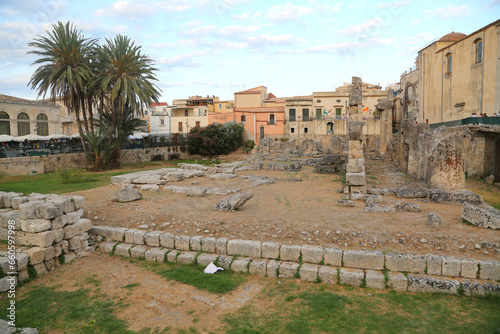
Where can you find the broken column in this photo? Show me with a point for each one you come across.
(356, 100)
(385, 107)
(355, 169)
(446, 164)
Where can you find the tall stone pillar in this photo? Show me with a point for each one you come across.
(356, 100)
(355, 168)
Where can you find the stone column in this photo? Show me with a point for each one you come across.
(355, 168)
(356, 100)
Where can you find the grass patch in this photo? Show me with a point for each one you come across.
(327, 309)
(130, 286)
(79, 311)
(220, 283)
(73, 175)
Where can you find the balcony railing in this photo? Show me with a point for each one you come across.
(469, 121)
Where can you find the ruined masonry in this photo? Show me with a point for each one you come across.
(355, 168)
(49, 231)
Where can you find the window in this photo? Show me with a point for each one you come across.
(329, 128)
(292, 130)
(198, 124)
(305, 114)
(162, 121)
(4, 123)
(164, 109)
(146, 112)
(186, 113)
(243, 118)
(292, 116)
(23, 124)
(478, 45)
(220, 106)
(306, 130)
(448, 63)
(318, 113)
(180, 126)
(338, 111)
(272, 119)
(42, 125)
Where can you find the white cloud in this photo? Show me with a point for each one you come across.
(396, 4)
(493, 3)
(143, 8)
(351, 47)
(421, 38)
(263, 40)
(415, 22)
(287, 12)
(247, 15)
(199, 31)
(235, 30)
(362, 28)
(450, 11)
(181, 60)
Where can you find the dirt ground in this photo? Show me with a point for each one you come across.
(304, 212)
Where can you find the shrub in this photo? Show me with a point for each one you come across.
(71, 175)
(215, 139)
(248, 145)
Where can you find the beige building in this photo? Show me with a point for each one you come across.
(184, 118)
(454, 77)
(20, 117)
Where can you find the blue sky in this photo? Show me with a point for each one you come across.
(210, 47)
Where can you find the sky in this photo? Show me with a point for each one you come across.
(218, 47)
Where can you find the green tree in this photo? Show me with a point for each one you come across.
(124, 79)
(65, 70)
(215, 139)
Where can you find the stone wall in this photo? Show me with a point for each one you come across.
(373, 269)
(49, 163)
(42, 233)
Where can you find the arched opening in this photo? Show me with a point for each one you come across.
(4, 123)
(329, 127)
(42, 125)
(478, 50)
(448, 63)
(23, 124)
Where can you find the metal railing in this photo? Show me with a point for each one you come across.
(469, 121)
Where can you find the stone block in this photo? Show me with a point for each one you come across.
(352, 277)
(312, 254)
(272, 268)
(333, 257)
(410, 263)
(244, 248)
(107, 247)
(152, 239)
(129, 235)
(151, 255)
(59, 234)
(208, 245)
(364, 259)
(221, 246)
(288, 269)
(5, 266)
(8, 283)
(308, 272)
(205, 259)
(353, 168)
(454, 197)
(408, 206)
(74, 216)
(290, 253)
(355, 149)
(27, 211)
(75, 243)
(328, 275)
(433, 220)
(12, 217)
(36, 255)
(167, 240)
(182, 242)
(469, 268)
(81, 226)
(123, 250)
(411, 193)
(240, 265)
(379, 208)
(233, 202)
(375, 279)
(139, 237)
(60, 221)
(224, 261)
(137, 252)
(126, 195)
(35, 225)
(78, 201)
(110, 233)
(15, 202)
(373, 199)
(23, 275)
(258, 268)
(482, 217)
(195, 243)
(48, 210)
(480, 288)
(40, 269)
(68, 257)
(450, 266)
(434, 265)
(42, 239)
(432, 284)
(346, 203)
(355, 179)
(172, 256)
(397, 281)
(490, 270)
(270, 250)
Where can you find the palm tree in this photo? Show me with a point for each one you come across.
(124, 79)
(65, 70)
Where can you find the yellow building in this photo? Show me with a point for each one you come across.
(187, 117)
(454, 77)
(20, 117)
